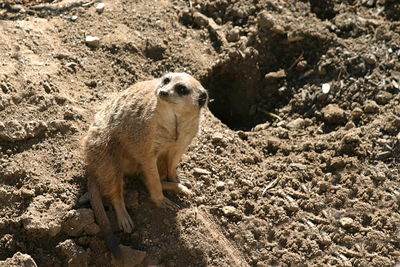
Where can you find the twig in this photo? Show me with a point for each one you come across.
(271, 115)
(270, 185)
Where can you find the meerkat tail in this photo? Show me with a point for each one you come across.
(102, 219)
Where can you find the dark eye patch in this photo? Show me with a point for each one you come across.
(166, 80)
(181, 89)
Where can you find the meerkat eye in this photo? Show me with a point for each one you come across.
(166, 81)
(181, 89)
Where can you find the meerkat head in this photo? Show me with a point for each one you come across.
(181, 89)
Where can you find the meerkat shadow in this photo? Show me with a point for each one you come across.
(159, 231)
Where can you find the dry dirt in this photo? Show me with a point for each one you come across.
(297, 162)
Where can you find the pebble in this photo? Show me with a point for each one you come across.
(356, 114)
(296, 124)
(350, 125)
(346, 222)
(200, 19)
(200, 171)
(333, 114)
(92, 41)
(265, 20)
(75, 254)
(383, 97)
(79, 219)
(370, 106)
(233, 35)
(74, 17)
(229, 210)
(326, 87)
(100, 7)
(220, 185)
(370, 59)
(19, 259)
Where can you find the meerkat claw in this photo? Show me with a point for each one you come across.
(126, 224)
(168, 204)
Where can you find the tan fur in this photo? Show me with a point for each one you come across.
(142, 131)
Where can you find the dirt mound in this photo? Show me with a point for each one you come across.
(297, 162)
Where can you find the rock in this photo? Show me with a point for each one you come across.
(265, 20)
(220, 185)
(346, 222)
(275, 75)
(40, 218)
(76, 256)
(350, 125)
(370, 106)
(356, 114)
(333, 114)
(296, 124)
(131, 257)
(92, 41)
(326, 87)
(370, 59)
(200, 19)
(100, 7)
(34, 128)
(74, 17)
(19, 260)
(77, 221)
(233, 35)
(12, 131)
(383, 97)
(229, 211)
(200, 171)
(217, 138)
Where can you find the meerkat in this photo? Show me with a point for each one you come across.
(144, 130)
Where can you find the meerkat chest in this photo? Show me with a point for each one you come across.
(174, 129)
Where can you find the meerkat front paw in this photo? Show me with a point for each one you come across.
(165, 203)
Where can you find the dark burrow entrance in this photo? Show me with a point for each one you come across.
(239, 94)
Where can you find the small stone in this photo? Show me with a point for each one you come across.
(229, 210)
(326, 87)
(100, 7)
(356, 114)
(296, 124)
(220, 185)
(346, 222)
(78, 221)
(92, 41)
(383, 97)
(19, 260)
(275, 75)
(131, 257)
(333, 114)
(265, 20)
(370, 59)
(200, 171)
(200, 19)
(74, 17)
(350, 125)
(74, 254)
(370, 106)
(233, 35)
(217, 138)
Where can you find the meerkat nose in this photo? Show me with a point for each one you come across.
(163, 93)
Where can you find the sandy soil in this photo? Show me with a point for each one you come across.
(297, 162)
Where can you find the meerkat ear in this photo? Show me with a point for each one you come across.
(202, 99)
